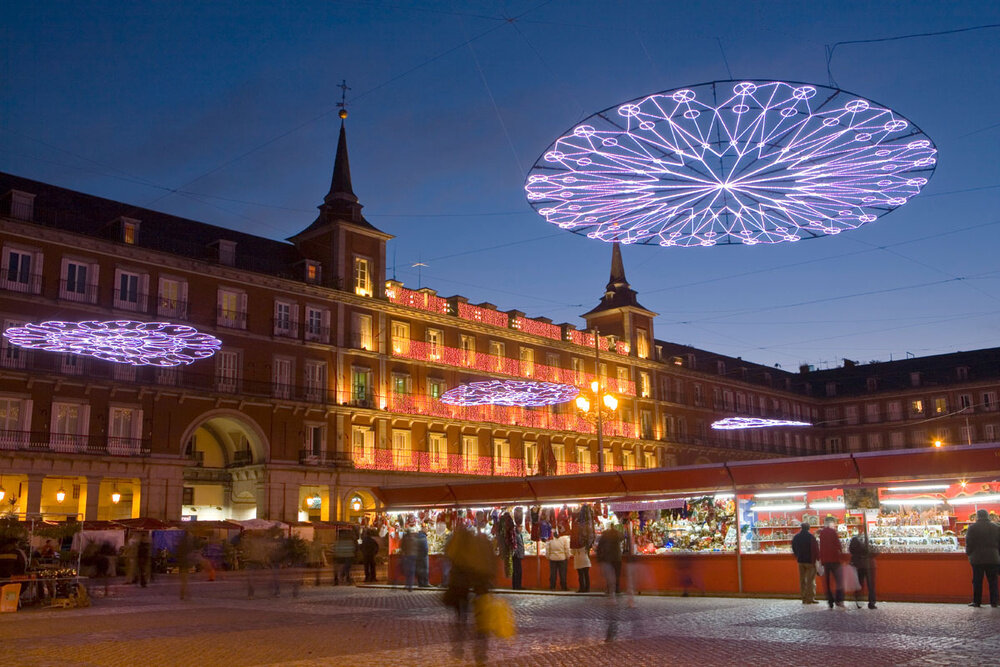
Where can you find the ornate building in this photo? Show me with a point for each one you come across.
(329, 376)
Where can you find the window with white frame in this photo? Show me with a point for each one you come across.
(897, 440)
(315, 380)
(872, 413)
(874, 441)
(21, 270)
(435, 343)
(69, 427)
(501, 454)
(645, 386)
(282, 372)
(649, 460)
(313, 272)
(435, 387)
(497, 352)
(361, 386)
(559, 454)
(526, 356)
(646, 425)
(940, 405)
(583, 458)
(402, 454)
(124, 429)
(851, 414)
(15, 420)
(362, 276)
(642, 343)
(470, 453)
(171, 300)
(315, 439)
(437, 449)
(71, 364)
(552, 361)
(227, 370)
(361, 331)
(286, 316)
(317, 324)
(968, 434)
(628, 459)
(401, 383)
(576, 366)
(916, 407)
(854, 443)
(232, 308)
(530, 457)
(400, 332)
(989, 400)
(895, 409)
(989, 432)
(12, 356)
(131, 290)
(78, 281)
(363, 445)
(965, 401)
(699, 395)
(623, 377)
(468, 344)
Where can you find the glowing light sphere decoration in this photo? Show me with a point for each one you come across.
(121, 341)
(523, 393)
(731, 162)
(736, 423)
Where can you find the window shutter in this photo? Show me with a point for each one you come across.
(325, 334)
(275, 318)
(26, 414)
(84, 420)
(137, 424)
(183, 297)
(243, 310)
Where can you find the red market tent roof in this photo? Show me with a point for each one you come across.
(839, 470)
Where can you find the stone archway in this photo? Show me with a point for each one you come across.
(354, 511)
(226, 451)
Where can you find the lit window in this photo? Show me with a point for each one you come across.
(400, 338)
(362, 277)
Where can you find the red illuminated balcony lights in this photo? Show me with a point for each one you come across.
(536, 328)
(414, 299)
(484, 315)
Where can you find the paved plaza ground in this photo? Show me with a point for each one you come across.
(382, 627)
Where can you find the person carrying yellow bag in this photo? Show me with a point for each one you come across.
(494, 616)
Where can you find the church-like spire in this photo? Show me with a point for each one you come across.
(617, 279)
(618, 293)
(340, 185)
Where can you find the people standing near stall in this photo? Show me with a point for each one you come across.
(609, 555)
(408, 549)
(830, 553)
(581, 557)
(369, 549)
(516, 558)
(806, 550)
(345, 551)
(863, 559)
(143, 559)
(423, 560)
(557, 551)
(982, 545)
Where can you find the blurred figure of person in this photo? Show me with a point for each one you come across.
(473, 567)
(423, 566)
(47, 554)
(982, 545)
(581, 557)
(806, 550)
(369, 549)
(104, 563)
(143, 559)
(408, 550)
(516, 559)
(185, 558)
(13, 560)
(609, 555)
(830, 553)
(557, 551)
(344, 551)
(863, 559)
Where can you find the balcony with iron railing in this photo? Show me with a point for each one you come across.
(74, 290)
(230, 319)
(130, 300)
(66, 443)
(30, 283)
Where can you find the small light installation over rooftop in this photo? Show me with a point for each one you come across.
(736, 423)
(523, 393)
(731, 162)
(121, 341)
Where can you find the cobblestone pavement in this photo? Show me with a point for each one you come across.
(378, 627)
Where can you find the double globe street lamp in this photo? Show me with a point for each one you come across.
(597, 405)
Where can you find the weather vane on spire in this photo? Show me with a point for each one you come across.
(343, 99)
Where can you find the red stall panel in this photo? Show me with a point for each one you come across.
(837, 470)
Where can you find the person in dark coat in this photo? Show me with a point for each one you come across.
(143, 559)
(369, 549)
(830, 553)
(982, 544)
(345, 550)
(423, 560)
(408, 550)
(806, 550)
(863, 559)
(609, 555)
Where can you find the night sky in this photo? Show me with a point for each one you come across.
(225, 112)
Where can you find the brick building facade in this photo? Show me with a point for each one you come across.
(328, 379)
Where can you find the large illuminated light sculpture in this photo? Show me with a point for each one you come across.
(523, 393)
(736, 423)
(121, 341)
(731, 162)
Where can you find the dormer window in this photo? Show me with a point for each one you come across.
(962, 373)
(129, 230)
(313, 273)
(226, 252)
(22, 205)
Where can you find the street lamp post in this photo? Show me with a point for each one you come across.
(597, 404)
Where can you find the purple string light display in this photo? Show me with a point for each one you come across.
(121, 341)
(523, 393)
(736, 423)
(731, 162)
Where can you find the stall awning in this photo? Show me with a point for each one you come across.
(412, 497)
(835, 470)
(577, 487)
(968, 462)
(667, 481)
(497, 491)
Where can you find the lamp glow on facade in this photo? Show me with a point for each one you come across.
(522, 393)
(731, 162)
(116, 497)
(356, 503)
(60, 495)
(120, 341)
(736, 423)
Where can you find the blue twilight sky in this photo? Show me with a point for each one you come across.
(225, 112)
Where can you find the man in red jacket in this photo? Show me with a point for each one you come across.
(830, 552)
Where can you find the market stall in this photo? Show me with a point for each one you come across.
(727, 529)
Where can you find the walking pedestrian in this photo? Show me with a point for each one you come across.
(557, 551)
(344, 551)
(982, 544)
(423, 560)
(863, 559)
(408, 549)
(369, 549)
(806, 550)
(143, 559)
(609, 555)
(830, 553)
(473, 567)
